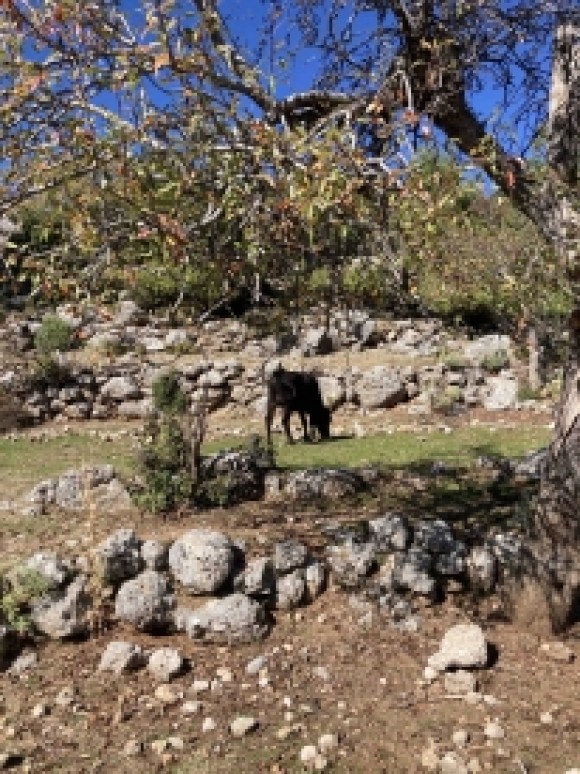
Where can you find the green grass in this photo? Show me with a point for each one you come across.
(25, 462)
(461, 447)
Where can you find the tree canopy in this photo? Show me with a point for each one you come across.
(165, 127)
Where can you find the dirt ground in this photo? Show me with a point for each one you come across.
(330, 671)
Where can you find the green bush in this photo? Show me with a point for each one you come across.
(53, 335)
(164, 463)
(168, 397)
(525, 392)
(447, 401)
(18, 592)
(496, 362)
(159, 286)
(455, 362)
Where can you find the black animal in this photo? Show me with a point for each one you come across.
(296, 391)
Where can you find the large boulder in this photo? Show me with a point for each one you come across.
(500, 393)
(64, 612)
(235, 618)
(120, 388)
(119, 557)
(487, 346)
(146, 602)
(325, 482)
(202, 560)
(77, 489)
(381, 388)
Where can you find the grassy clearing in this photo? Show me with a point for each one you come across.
(24, 462)
(405, 449)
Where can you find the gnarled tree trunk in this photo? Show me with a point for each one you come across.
(551, 587)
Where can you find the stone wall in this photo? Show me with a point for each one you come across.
(461, 373)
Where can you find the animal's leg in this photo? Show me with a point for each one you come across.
(269, 420)
(304, 425)
(286, 424)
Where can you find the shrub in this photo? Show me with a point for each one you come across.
(525, 392)
(18, 592)
(165, 465)
(447, 401)
(455, 362)
(494, 363)
(53, 335)
(168, 397)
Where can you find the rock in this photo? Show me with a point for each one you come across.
(332, 390)
(208, 725)
(411, 572)
(168, 694)
(76, 489)
(64, 612)
(487, 346)
(146, 602)
(258, 579)
(256, 665)
(531, 466)
(327, 743)
(133, 747)
(460, 682)
(381, 388)
(235, 618)
(128, 313)
(242, 726)
(351, 564)
(316, 341)
(500, 393)
(308, 755)
(290, 590)
(315, 581)
(202, 560)
(191, 707)
(289, 555)
(451, 763)
(24, 663)
(120, 388)
(48, 565)
(557, 651)
(390, 532)
(460, 737)
(493, 730)
(122, 657)
(435, 537)
(482, 569)
(154, 555)
(165, 663)
(119, 557)
(430, 758)
(463, 646)
(135, 409)
(329, 483)
(200, 686)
